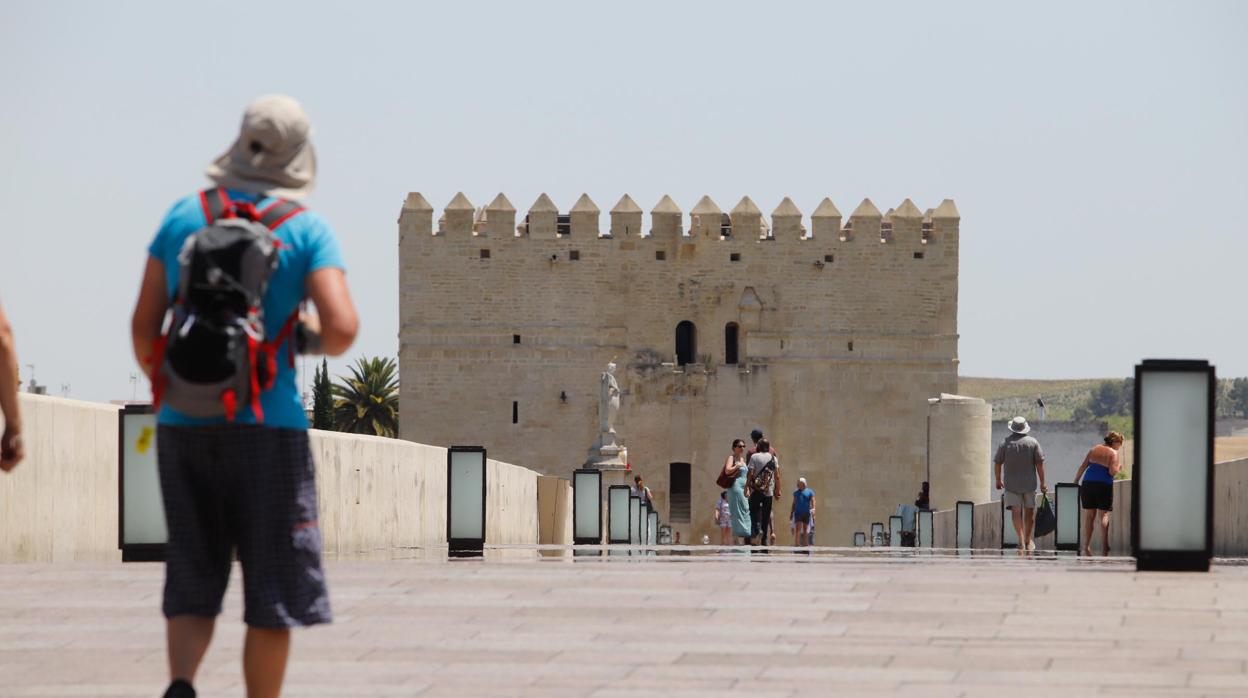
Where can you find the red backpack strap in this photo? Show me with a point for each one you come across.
(215, 203)
(278, 212)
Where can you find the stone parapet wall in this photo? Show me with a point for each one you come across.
(375, 494)
(61, 503)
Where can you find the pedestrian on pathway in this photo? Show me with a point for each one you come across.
(764, 490)
(802, 510)
(11, 449)
(737, 468)
(236, 471)
(1023, 461)
(1096, 491)
(640, 491)
(723, 519)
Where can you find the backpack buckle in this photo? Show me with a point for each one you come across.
(246, 209)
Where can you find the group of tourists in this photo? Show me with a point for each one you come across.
(1019, 467)
(745, 510)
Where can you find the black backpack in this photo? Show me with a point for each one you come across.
(764, 476)
(213, 354)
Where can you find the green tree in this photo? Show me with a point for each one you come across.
(322, 399)
(1112, 397)
(367, 402)
(1238, 397)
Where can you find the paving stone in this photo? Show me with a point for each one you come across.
(923, 626)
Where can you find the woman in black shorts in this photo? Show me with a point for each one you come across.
(1096, 491)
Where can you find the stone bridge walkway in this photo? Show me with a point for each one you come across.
(701, 625)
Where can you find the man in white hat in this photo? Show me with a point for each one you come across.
(1021, 458)
(243, 480)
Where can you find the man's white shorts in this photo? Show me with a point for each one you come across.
(1026, 500)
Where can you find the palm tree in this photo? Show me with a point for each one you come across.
(367, 402)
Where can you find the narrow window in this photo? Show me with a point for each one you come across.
(730, 343)
(829, 258)
(734, 257)
(660, 255)
(574, 255)
(851, 345)
(686, 343)
(678, 492)
(515, 412)
(485, 254)
(515, 339)
(918, 255)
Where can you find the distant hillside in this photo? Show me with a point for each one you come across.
(1010, 397)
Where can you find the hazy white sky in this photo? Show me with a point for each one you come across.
(1098, 152)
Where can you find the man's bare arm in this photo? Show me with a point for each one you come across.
(335, 312)
(11, 450)
(149, 313)
(1040, 472)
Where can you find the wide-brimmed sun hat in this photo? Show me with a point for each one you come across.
(1019, 425)
(273, 152)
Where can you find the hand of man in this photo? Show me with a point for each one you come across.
(1043, 488)
(1000, 485)
(11, 450)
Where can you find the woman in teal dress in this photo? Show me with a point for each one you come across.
(738, 505)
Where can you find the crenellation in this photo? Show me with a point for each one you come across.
(583, 218)
(826, 221)
(746, 220)
(866, 221)
(705, 220)
(542, 220)
(626, 218)
(665, 220)
(907, 222)
(416, 217)
(786, 221)
(457, 217)
(500, 219)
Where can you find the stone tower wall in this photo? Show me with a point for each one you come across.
(843, 337)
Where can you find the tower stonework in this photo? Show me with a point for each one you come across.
(842, 336)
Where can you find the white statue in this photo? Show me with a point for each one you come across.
(608, 401)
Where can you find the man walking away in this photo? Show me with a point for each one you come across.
(764, 483)
(1022, 460)
(232, 266)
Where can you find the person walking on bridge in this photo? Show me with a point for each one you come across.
(1096, 491)
(1023, 461)
(228, 273)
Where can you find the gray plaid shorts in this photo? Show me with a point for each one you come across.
(246, 488)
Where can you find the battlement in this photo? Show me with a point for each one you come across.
(905, 223)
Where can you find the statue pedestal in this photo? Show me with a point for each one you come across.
(607, 454)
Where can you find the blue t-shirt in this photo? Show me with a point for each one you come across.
(801, 501)
(308, 244)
